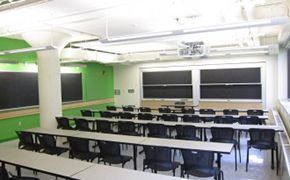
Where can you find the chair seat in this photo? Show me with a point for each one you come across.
(116, 159)
(262, 145)
(88, 156)
(203, 172)
(233, 141)
(55, 150)
(163, 166)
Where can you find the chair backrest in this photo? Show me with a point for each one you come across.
(62, 123)
(145, 109)
(222, 133)
(255, 112)
(206, 111)
(197, 159)
(87, 113)
(186, 132)
(231, 112)
(191, 118)
(82, 124)
(25, 138)
(128, 108)
(111, 108)
(164, 110)
(126, 115)
(254, 120)
(145, 116)
(157, 130)
(109, 148)
(187, 111)
(3, 174)
(104, 126)
(78, 145)
(157, 154)
(224, 120)
(106, 114)
(125, 127)
(262, 135)
(169, 117)
(47, 140)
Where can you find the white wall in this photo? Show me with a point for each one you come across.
(128, 76)
(282, 74)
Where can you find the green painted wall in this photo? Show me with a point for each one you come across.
(97, 84)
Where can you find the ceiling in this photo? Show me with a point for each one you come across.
(105, 19)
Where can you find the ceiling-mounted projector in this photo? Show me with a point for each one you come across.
(191, 49)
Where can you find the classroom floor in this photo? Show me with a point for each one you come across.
(259, 167)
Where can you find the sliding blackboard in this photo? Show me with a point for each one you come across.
(240, 83)
(239, 75)
(169, 92)
(167, 84)
(231, 92)
(20, 89)
(167, 77)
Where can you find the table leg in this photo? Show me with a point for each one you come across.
(219, 164)
(135, 156)
(18, 171)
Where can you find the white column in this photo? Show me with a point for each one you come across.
(282, 74)
(49, 85)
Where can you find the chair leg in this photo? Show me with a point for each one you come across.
(239, 148)
(247, 161)
(277, 161)
(272, 158)
(173, 172)
(236, 167)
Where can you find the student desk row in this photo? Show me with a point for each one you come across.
(264, 117)
(218, 148)
(70, 168)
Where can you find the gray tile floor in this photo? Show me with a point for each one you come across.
(259, 167)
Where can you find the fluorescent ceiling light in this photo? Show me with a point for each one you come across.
(136, 37)
(221, 27)
(240, 25)
(25, 50)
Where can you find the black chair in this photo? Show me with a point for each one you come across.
(145, 109)
(226, 135)
(63, 123)
(48, 145)
(224, 120)
(157, 130)
(171, 118)
(200, 164)
(209, 112)
(127, 128)
(187, 111)
(111, 108)
(104, 126)
(27, 142)
(106, 114)
(79, 149)
(231, 112)
(110, 152)
(255, 112)
(164, 110)
(191, 118)
(263, 139)
(126, 115)
(5, 176)
(254, 120)
(159, 159)
(128, 108)
(82, 125)
(186, 133)
(87, 113)
(145, 116)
